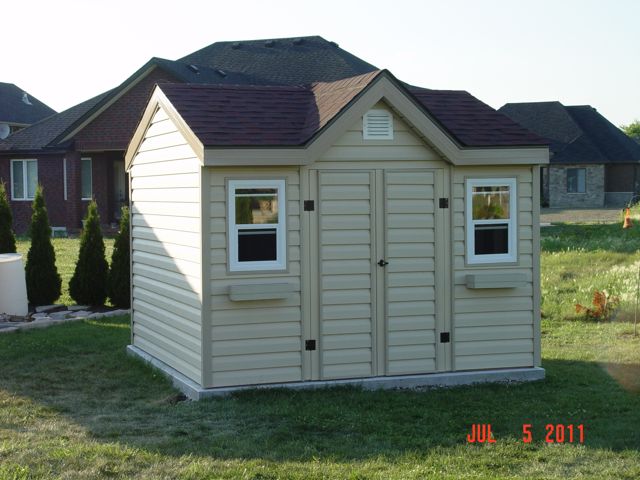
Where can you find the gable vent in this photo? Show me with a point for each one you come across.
(377, 125)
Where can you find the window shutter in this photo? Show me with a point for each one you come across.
(377, 125)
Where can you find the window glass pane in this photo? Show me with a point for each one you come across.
(32, 178)
(572, 180)
(576, 180)
(491, 239)
(85, 178)
(490, 203)
(582, 173)
(256, 206)
(257, 245)
(18, 180)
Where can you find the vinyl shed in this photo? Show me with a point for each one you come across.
(353, 231)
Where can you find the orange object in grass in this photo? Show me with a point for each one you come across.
(627, 219)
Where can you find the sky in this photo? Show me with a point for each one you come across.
(575, 51)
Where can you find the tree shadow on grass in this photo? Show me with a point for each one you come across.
(81, 371)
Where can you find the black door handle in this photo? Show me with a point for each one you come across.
(383, 262)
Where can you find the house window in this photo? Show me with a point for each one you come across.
(576, 180)
(24, 179)
(86, 187)
(491, 220)
(257, 225)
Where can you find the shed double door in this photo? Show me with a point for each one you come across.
(378, 281)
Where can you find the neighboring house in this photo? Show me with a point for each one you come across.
(78, 154)
(18, 109)
(592, 162)
(351, 230)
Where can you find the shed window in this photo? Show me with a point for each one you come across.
(24, 179)
(257, 225)
(576, 180)
(491, 220)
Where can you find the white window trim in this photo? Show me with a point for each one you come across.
(25, 180)
(365, 129)
(281, 227)
(512, 255)
(90, 197)
(64, 176)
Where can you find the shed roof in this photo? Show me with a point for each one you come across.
(576, 134)
(17, 106)
(250, 115)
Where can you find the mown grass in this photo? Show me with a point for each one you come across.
(66, 257)
(74, 406)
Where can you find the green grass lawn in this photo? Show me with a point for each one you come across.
(74, 406)
(66, 256)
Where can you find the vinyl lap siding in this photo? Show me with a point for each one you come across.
(165, 219)
(346, 266)
(254, 342)
(410, 275)
(493, 328)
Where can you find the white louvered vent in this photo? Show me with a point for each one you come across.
(377, 125)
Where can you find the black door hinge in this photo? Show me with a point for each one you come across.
(444, 203)
(445, 337)
(309, 206)
(309, 345)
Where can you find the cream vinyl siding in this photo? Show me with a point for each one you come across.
(166, 273)
(405, 149)
(347, 273)
(377, 201)
(254, 341)
(410, 279)
(494, 328)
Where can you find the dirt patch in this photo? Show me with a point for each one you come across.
(586, 215)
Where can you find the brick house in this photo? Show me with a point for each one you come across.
(79, 153)
(592, 162)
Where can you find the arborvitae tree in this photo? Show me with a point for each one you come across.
(7, 238)
(43, 281)
(88, 286)
(119, 279)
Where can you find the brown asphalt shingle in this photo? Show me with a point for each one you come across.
(250, 115)
(471, 122)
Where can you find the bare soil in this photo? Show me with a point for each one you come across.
(580, 215)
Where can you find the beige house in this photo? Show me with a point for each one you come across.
(355, 231)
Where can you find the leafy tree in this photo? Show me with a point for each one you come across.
(88, 286)
(632, 130)
(119, 279)
(43, 280)
(7, 238)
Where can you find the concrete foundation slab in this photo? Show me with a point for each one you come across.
(450, 379)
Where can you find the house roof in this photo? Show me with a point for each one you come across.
(256, 62)
(278, 92)
(17, 106)
(577, 134)
(286, 61)
(41, 134)
(250, 115)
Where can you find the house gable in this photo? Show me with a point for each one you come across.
(112, 125)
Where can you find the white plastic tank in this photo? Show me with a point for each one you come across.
(13, 286)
